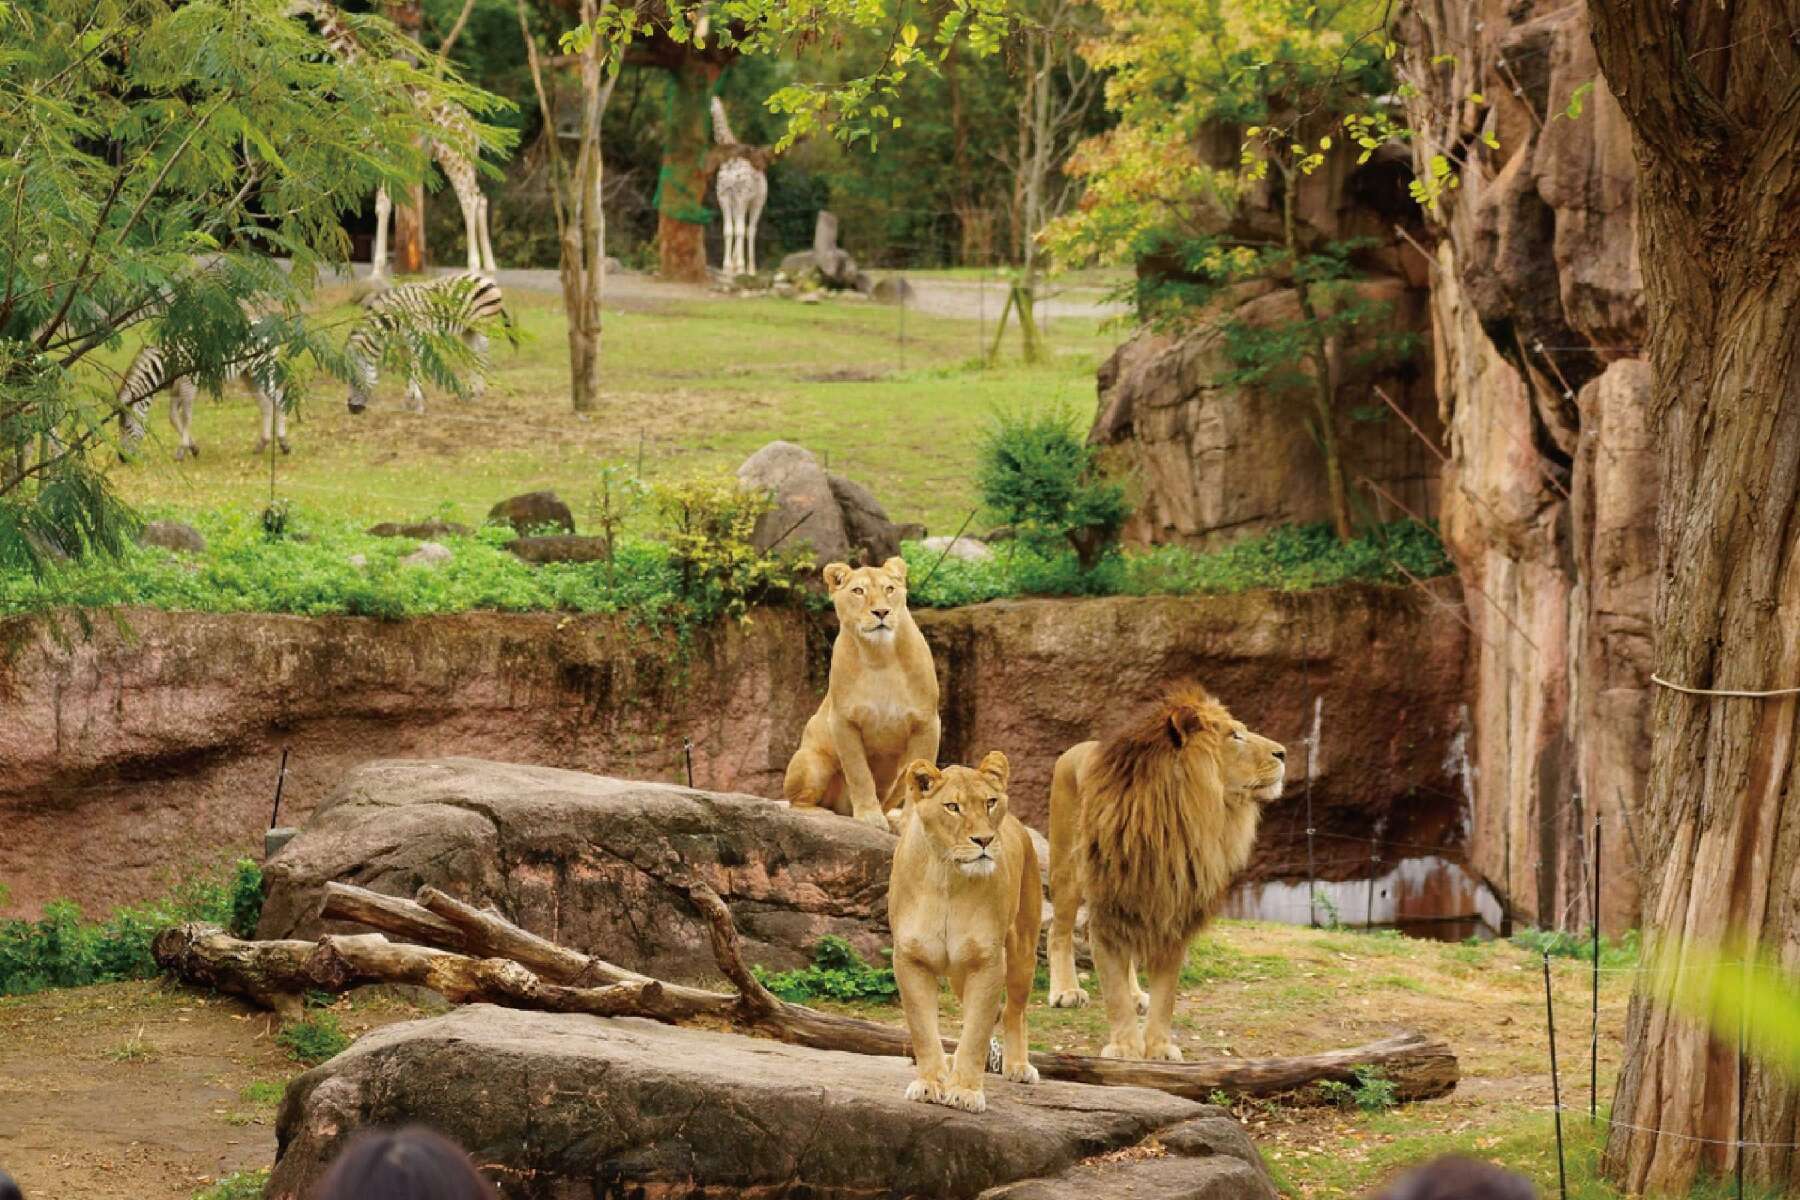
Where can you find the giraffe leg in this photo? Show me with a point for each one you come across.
(470, 200)
(477, 342)
(181, 415)
(755, 215)
(488, 265)
(378, 257)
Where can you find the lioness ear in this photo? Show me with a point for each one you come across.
(921, 777)
(895, 566)
(996, 768)
(835, 574)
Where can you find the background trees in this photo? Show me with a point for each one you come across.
(153, 158)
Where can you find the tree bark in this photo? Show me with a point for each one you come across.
(681, 213)
(1710, 92)
(409, 203)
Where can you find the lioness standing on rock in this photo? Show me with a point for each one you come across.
(881, 703)
(963, 902)
(1149, 829)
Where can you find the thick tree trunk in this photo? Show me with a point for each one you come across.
(409, 203)
(681, 213)
(1710, 92)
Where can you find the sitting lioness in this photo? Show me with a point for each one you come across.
(1149, 829)
(963, 902)
(881, 703)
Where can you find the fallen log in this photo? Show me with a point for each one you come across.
(270, 974)
(1419, 1067)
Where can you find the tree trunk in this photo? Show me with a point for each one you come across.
(681, 213)
(1709, 92)
(409, 203)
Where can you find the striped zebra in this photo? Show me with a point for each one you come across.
(157, 368)
(459, 305)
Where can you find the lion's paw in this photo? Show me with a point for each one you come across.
(968, 1099)
(1142, 1001)
(1167, 1052)
(925, 1091)
(875, 817)
(1022, 1073)
(1075, 997)
(1132, 1048)
(896, 820)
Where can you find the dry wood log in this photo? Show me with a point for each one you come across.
(272, 974)
(389, 914)
(1419, 1067)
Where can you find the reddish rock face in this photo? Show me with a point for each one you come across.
(127, 760)
(1549, 501)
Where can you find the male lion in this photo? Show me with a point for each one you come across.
(881, 702)
(963, 901)
(1149, 828)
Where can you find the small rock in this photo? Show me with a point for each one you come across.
(533, 511)
(560, 548)
(966, 548)
(173, 535)
(275, 837)
(811, 297)
(420, 530)
(359, 561)
(784, 289)
(429, 554)
(893, 289)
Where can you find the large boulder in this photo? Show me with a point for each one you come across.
(557, 1107)
(833, 265)
(533, 511)
(561, 548)
(836, 518)
(596, 864)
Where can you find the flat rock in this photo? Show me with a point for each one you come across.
(563, 1106)
(563, 548)
(172, 535)
(532, 512)
(420, 529)
(596, 864)
(429, 554)
(966, 548)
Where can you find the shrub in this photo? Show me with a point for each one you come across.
(837, 973)
(1560, 944)
(246, 898)
(1039, 476)
(239, 1185)
(1372, 1092)
(707, 522)
(314, 1038)
(61, 949)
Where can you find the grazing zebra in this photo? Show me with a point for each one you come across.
(156, 367)
(454, 306)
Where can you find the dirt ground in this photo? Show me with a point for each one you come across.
(141, 1090)
(152, 1092)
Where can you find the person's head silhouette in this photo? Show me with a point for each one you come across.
(403, 1164)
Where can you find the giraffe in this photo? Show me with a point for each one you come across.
(742, 188)
(448, 151)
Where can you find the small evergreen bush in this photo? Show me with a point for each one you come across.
(1039, 476)
(314, 1038)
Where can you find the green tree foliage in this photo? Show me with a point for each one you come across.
(1223, 110)
(837, 973)
(153, 157)
(1038, 476)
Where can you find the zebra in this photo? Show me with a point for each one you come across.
(157, 367)
(455, 305)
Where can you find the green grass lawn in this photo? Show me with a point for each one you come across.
(693, 386)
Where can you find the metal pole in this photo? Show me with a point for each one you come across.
(280, 779)
(687, 751)
(903, 322)
(1312, 876)
(1562, 1178)
(1594, 1047)
(1374, 870)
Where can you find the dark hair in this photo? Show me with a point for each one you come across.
(8, 1189)
(1454, 1177)
(403, 1164)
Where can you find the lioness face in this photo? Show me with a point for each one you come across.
(869, 600)
(961, 809)
(1253, 763)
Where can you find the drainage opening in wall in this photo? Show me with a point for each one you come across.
(1426, 896)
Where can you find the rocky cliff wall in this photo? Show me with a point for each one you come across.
(152, 748)
(1549, 495)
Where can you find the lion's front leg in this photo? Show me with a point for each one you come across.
(1165, 976)
(919, 999)
(859, 780)
(1117, 988)
(982, 994)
